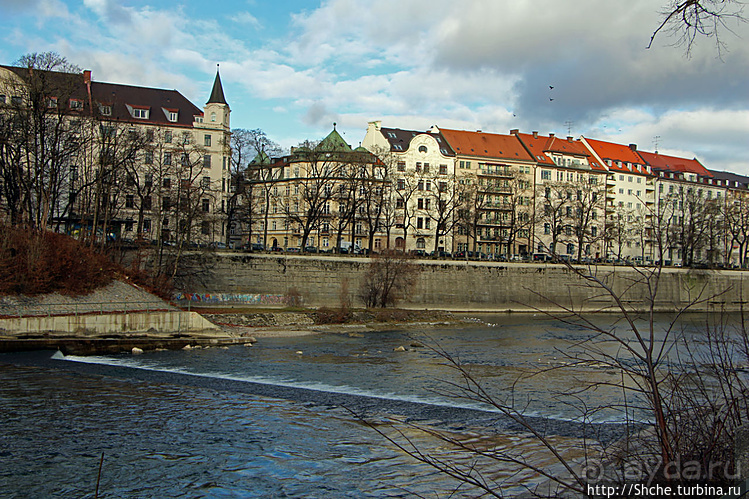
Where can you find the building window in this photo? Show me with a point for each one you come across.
(205, 228)
(443, 169)
(168, 137)
(148, 159)
(423, 149)
(401, 166)
(213, 116)
(545, 174)
(167, 158)
(207, 161)
(140, 113)
(129, 201)
(401, 184)
(206, 206)
(167, 183)
(419, 223)
(205, 182)
(173, 116)
(421, 243)
(76, 104)
(207, 140)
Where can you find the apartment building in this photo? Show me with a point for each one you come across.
(325, 196)
(118, 160)
(496, 174)
(688, 215)
(422, 176)
(630, 199)
(569, 202)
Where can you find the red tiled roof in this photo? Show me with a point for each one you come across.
(539, 145)
(487, 145)
(674, 164)
(618, 155)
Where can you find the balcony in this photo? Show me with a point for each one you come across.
(496, 173)
(494, 188)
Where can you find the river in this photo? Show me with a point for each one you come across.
(280, 419)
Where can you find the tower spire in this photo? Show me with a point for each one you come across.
(217, 94)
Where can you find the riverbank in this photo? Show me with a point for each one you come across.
(122, 317)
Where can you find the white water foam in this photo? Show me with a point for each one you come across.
(134, 363)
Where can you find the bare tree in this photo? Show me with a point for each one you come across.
(737, 226)
(252, 174)
(389, 276)
(681, 401)
(686, 20)
(38, 145)
(322, 172)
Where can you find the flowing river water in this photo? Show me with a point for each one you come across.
(280, 419)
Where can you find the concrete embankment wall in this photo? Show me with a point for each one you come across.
(474, 286)
(166, 322)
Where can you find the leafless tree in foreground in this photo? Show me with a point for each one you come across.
(682, 399)
(686, 20)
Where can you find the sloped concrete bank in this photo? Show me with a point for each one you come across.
(115, 318)
(472, 286)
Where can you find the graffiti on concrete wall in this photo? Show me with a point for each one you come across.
(245, 299)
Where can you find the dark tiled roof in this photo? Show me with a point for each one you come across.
(119, 99)
(400, 140)
(217, 93)
(664, 162)
(733, 179)
(159, 103)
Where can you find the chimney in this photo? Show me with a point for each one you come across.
(87, 76)
(535, 134)
(633, 147)
(514, 131)
(569, 138)
(551, 135)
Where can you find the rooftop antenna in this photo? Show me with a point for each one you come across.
(569, 124)
(656, 139)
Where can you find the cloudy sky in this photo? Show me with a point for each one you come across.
(294, 67)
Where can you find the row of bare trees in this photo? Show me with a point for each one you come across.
(68, 167)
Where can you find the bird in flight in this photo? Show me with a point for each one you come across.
(551, 87)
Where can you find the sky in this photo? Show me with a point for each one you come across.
(293, 68)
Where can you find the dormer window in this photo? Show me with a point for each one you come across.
(52, 102)
(171, 114)
(198, 119)
(105, 110)
(140, 113)
(397, 147)
(75, 104)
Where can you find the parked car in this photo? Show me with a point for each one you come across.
(310, 249)
(440, 254)
(293, 250)
(420, 253)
